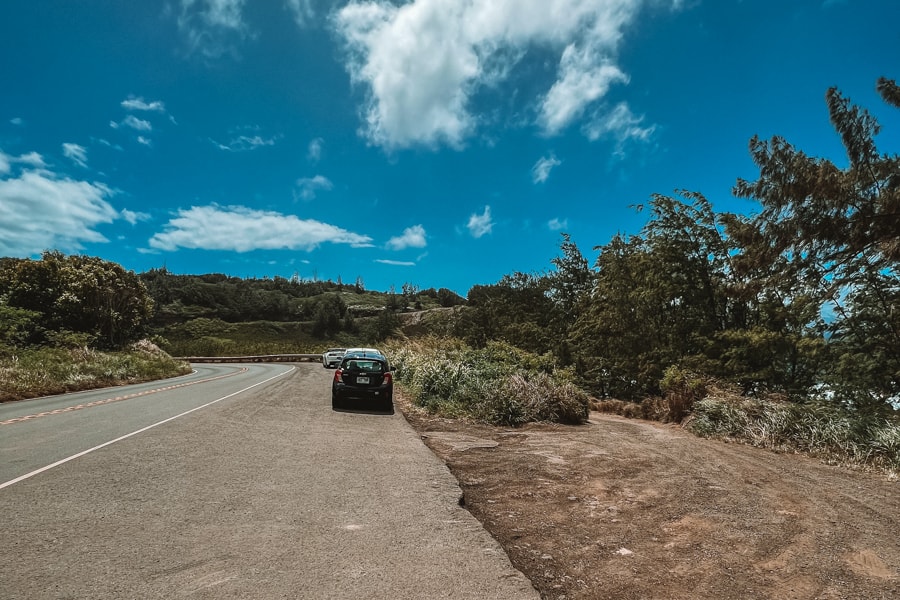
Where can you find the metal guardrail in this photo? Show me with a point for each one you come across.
(258, 358)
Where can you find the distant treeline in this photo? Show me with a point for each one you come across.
(83, 301)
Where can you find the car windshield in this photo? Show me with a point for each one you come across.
(367, 366)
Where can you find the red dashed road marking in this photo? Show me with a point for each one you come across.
(117, 398)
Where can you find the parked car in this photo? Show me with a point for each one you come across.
(364, 378)
(331, 358)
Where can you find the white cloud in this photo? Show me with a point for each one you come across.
(482, 224)
(243, 143)
(133, 217)
(541, 169)
(302, 11)
(620, 124)
(17, 121)
(40, 210)
(137, 103)
(422, 62)
(314, 152)
(413, 237)
(557, 224)
(396, 263)
(76, 153)
(137, 124)
(32, 159)
(308, 186)
(581, 81)
(209, 25)
(241, 229)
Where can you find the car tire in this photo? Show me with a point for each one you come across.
(335, 402)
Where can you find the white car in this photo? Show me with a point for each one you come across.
(331, 358)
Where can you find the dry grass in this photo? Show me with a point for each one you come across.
(46, 371)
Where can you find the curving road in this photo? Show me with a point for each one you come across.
(237, 481)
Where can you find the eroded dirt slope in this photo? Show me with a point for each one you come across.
(624, 509)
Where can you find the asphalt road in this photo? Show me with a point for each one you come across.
(236, 482)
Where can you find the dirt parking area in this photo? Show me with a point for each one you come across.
(625, 509)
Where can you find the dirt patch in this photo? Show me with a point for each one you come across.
(626, 509)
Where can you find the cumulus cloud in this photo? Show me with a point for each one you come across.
(69, 210)
(241, 229)
(423, 61)
(413, 237)
(307, 187)
(482, 224)
(581, 81)
(75, 153)
(541, 169)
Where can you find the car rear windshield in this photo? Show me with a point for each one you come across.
(367, 366)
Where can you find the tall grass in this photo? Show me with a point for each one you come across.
(824, 430)
(35, 372)
(499, 384)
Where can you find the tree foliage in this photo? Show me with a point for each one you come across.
(98, 302)
(831, 237)
(801, 298)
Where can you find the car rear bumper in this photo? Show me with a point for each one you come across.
(372, 394)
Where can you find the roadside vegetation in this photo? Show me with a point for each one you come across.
(780, 328)
(498, 384)
(35, 372)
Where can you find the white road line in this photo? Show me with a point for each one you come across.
(133, 433)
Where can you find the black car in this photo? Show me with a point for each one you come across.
(364, 379)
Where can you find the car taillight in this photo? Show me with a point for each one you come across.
(388, 378)
(338, 376)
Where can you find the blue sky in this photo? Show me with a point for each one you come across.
(442, 143)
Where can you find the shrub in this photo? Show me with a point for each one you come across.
(498, 384)
(825, 430)
(680, 390)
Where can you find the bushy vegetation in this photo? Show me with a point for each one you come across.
(79, 300)
(497, 384)
(43, 371)
(70, 323)
(818, 428)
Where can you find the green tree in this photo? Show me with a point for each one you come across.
(81, 294)
(447, 298)
(831, 234)
(330, 309)
(517, 310)
(573, 279)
